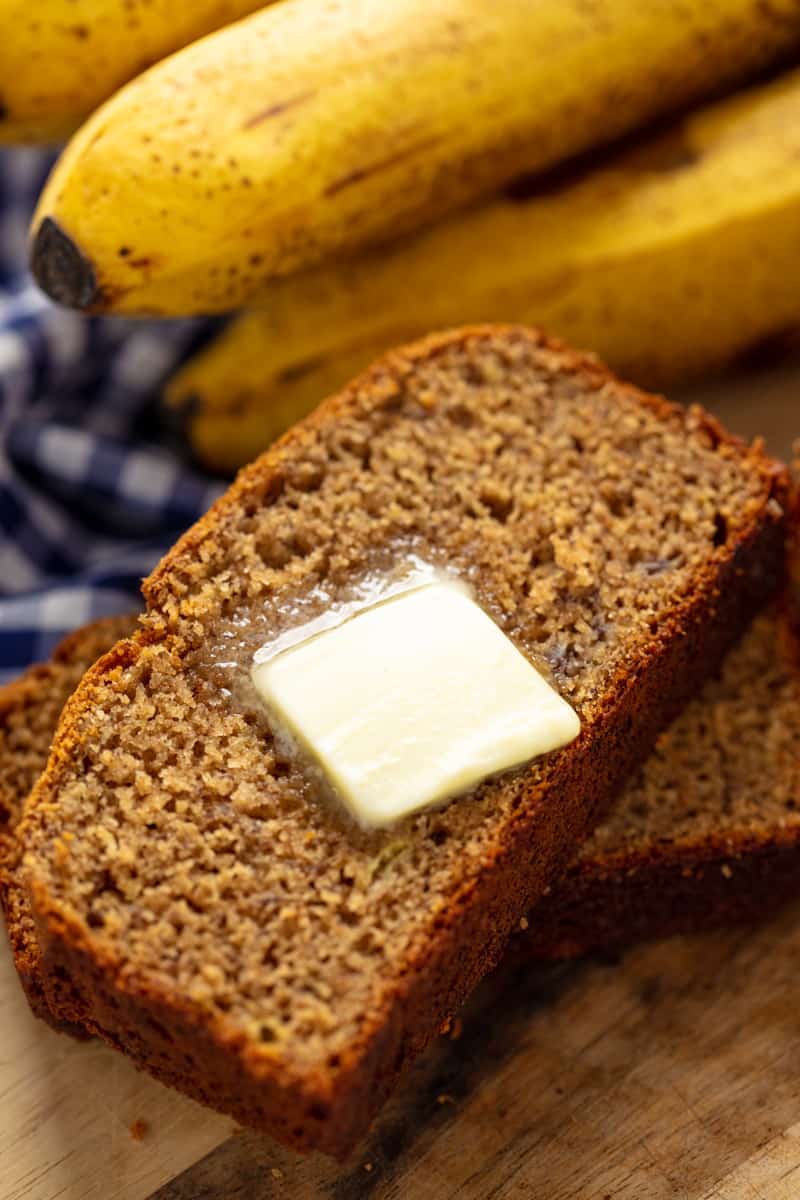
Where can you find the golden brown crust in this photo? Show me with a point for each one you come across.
(329, 1107)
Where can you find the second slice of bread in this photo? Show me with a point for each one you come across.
(708, 833)
(217, 920)
(29, 710)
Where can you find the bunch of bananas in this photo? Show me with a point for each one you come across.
(671, 259)
(297, 162)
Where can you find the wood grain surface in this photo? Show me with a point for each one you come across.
(671, 1073)
(67, 1110)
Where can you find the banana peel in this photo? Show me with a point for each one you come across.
(670, 260)
(314, 129)
(59, 60)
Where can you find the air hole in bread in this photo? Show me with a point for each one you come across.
(462, 417)
(720, 530)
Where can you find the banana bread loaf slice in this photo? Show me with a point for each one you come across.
(709, 831)
(29, 712)
(707, 834)
(220, 922)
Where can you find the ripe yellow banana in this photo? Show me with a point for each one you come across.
(322, 126)
(668, 260)
(59, 59)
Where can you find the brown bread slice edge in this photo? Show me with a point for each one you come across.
(226, 929)
(29, 710)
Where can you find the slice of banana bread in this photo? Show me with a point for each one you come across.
(709, 832)
(29, 712)
(233, 933)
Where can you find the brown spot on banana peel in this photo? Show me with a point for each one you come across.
(62, 270)
(274, 110)
(382, 164)
(298, 370)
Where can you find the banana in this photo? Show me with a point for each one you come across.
(59, 59)
(669, 260)
(317, 127)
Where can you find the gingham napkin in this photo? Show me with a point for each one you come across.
(91, 492)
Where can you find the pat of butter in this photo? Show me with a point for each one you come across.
(413, 701)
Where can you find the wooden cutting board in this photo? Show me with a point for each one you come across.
(672, 1073)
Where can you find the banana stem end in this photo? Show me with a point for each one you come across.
(60, 268)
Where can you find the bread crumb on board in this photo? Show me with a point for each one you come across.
(139, 1130)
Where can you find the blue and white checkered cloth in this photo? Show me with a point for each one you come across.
(91, 493)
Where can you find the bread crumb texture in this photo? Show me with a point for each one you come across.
(728, 766)
(29, 711)
(31, 705)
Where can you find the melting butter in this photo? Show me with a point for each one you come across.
(411, 701)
